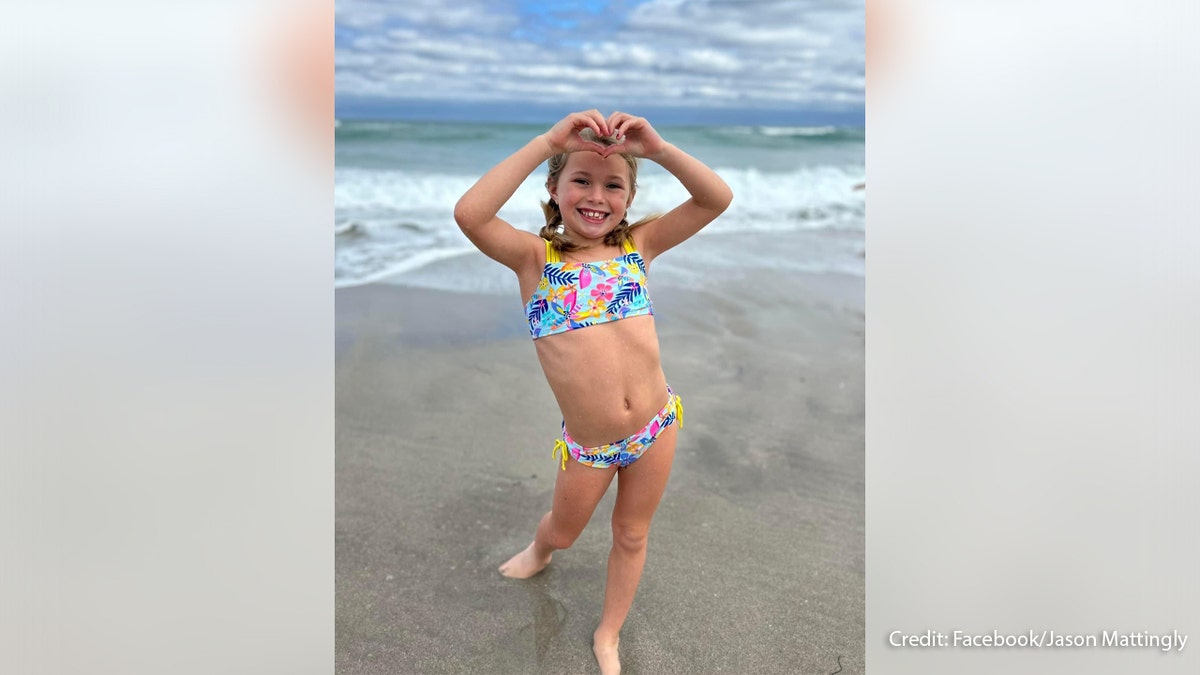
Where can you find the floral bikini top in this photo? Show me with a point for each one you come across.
(574, 295)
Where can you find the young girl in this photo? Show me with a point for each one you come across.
(584, 286)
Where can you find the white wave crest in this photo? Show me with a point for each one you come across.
(358, 270)
(796, 131)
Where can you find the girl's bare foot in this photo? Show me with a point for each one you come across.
(606, 655)
(525, 564)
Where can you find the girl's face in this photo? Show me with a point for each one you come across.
(593, 193)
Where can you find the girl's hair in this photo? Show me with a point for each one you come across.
(618, 236)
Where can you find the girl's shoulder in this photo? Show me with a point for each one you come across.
(637, 234)
(533, 258)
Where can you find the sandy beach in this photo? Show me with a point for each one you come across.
(444, 430)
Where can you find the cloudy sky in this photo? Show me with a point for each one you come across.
(751, 61)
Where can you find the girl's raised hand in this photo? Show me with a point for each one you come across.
(564, 136)
(634, 135)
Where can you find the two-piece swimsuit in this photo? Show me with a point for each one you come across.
(573, 295)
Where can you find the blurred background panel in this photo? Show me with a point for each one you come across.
(166, 478)
(1033, 322)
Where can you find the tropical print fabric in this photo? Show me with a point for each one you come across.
(574, 295)
(623, 452)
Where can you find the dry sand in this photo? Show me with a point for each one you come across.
(444, 430)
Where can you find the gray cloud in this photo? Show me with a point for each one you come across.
(803, 54)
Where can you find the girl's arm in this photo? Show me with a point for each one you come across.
(710, 196)
(476, 211)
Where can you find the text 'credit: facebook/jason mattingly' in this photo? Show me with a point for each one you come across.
(1173, 641)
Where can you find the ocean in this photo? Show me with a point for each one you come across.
(798, 203)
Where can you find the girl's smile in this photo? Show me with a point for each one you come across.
(593, 216)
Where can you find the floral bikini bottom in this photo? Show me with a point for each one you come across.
(626, 451)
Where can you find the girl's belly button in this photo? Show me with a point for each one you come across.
(627, 404)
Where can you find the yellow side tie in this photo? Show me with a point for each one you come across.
(560, 448)
(679, 411)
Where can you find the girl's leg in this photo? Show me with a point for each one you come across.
(639, 488)
(576, 493)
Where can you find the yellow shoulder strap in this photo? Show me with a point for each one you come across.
(552, 254)
(628, 245)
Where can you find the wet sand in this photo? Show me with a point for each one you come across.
(444, 429)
